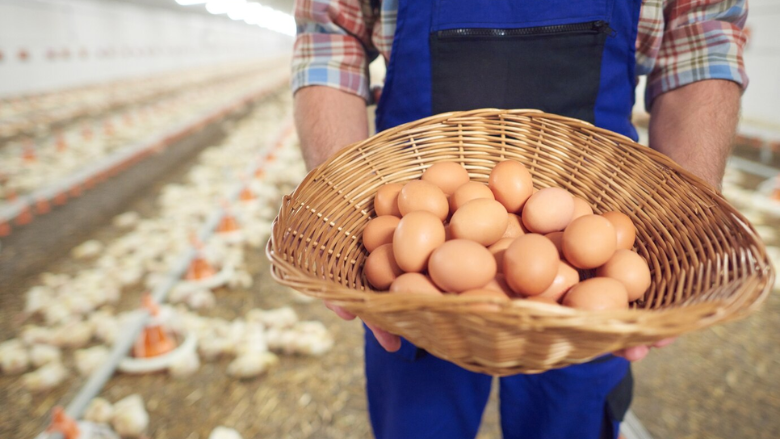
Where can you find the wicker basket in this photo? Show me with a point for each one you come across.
(707, 262)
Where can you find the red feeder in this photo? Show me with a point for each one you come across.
(62, 423)
(24, 217)
(62, 145)
(155, 339)
(76, 190)
(246, 194)
(5, 229)
(61, 198)
(228, 222)
(199, 268)
(28, 153)
(42, 206)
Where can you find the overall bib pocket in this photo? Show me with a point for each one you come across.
(553, 68)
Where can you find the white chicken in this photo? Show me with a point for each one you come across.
(224, 433)
(32, 334)
(45, 378)
(89, 360)
(99, 411)
(126, 220)
(201, 299)
(251, 364)
(14, 358)
(41, 354)
(184, 365)
(87, 249)
(130, 418)
(73, 334)
(284, 317)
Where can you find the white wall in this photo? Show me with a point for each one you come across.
(117, 40)
(761, 102)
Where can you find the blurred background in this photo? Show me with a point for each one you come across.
(145, 146)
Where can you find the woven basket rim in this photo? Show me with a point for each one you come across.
(628, 322)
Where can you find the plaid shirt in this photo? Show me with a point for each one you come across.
(679, 42)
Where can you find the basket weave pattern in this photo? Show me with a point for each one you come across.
(707, 263)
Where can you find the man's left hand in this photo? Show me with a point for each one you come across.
(637, 353)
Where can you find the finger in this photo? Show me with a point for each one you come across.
(390, 342)
(635, 353)
(339, 311)
(664, 342)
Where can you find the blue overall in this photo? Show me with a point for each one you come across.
(570, 57)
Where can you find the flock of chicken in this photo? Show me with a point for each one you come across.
(28, 114)
(76, 314)
(31, 162)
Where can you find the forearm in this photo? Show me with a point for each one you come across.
(695, 126)
(327, 120)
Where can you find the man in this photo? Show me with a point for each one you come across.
(578, 58)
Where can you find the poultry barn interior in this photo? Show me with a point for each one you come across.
(145, 149)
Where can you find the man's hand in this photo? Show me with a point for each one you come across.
(328, 120)
(695, 126)
(390, 342)
(637, 353)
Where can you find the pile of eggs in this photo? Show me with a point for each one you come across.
(446, 234)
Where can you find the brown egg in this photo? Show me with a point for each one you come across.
(415, 283)
(530, 264)
(416, 236)
(624, 227)
(566, 278)
(557, 239)
(467, 192)
(379, 231)
(448, 176)
(542, 299)
(461, 265)
(488, 294)
(597, 294)
(581, 208)
(630, 269)
(497, 249)
(514, 227)
(480, 220)
(386, 200)
(420, 195)
(511, 184)
(549, 210)
(380, 268)
(498, 283)
(589, 241)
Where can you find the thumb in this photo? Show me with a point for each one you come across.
(390, 342)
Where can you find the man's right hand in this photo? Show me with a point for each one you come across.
(390, 342)
(327, 120)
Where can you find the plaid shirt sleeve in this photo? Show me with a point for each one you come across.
(333, 46)
(684, 41)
